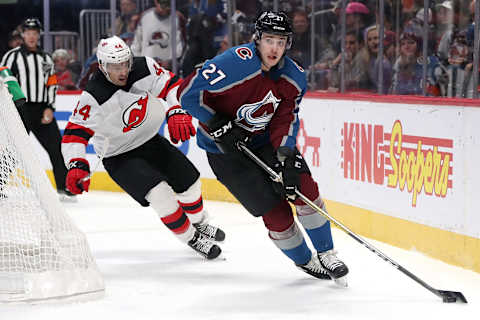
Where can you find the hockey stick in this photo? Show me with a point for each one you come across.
(447, 296)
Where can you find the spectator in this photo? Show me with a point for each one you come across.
(355, 73)
(369, 58)
(443, 20)
(327, 21)
(128, 8)
(153, 34)
(301, 50)
(14, 39)
(390, 46)
(408, 69)
(416, 24)
(129, 35)
(215, 11)
(460, 65)
(61, 60)
(243, 28)
(251, 8)
(206, 32)
(357, 17)
(89, 67)
(302, 42)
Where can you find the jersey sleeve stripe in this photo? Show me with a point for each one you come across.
(75, 133)
(72, 138)
(163, 93)
(74, 126)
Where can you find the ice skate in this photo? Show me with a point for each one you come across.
(314, 268)
(335, 268)
(210, 232)
(204, 246)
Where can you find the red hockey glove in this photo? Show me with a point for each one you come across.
(180, 125)
(77, 170)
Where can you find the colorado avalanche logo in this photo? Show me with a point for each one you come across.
(256, 116)
(133, 116)
(161, 38)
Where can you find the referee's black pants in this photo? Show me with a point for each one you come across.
(49, 137)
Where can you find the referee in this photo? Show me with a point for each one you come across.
(34, 70)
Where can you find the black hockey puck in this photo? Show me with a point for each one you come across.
(449, 299)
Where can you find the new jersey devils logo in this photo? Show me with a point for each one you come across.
(133, 116)
(256, 116)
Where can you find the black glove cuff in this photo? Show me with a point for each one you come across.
(79, 164)
(175, 111)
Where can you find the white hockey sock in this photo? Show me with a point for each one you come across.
(162, 200)
(192, 203)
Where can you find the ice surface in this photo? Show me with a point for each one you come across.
(149, 274)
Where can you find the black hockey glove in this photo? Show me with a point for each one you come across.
(226, 133)
(290, 166)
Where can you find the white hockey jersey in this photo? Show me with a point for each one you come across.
(120, 118)
(153, 37)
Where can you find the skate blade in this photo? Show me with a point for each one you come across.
(341, 282)
(221, 257)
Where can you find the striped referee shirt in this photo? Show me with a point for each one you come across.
(35, 73)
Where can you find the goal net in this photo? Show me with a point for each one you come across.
(43, 256)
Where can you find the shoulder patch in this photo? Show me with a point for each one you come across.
(298, 66)
(244, 53)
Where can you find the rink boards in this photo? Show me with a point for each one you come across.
(401, 170)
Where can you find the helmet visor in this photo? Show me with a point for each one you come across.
(119, 67)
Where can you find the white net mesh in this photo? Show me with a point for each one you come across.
(42, 254)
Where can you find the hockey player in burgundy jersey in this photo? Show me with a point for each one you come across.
(251, 93)
(122, 109)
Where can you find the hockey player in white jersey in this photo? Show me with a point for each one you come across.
(122, 109)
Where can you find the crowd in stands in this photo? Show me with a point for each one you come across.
(202, 33)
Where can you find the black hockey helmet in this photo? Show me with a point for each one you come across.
(32, 23)
(275, 23)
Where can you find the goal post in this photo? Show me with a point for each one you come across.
(43, 255)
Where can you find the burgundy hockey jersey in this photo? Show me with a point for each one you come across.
(266, 104)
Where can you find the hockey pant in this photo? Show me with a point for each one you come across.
(254, 190)
(157, 174)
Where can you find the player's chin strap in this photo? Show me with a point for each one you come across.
(447, 296)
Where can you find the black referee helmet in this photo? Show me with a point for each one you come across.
(32, 23)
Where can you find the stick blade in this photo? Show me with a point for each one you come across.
(452, 296)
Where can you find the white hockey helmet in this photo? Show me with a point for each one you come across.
(113, 50)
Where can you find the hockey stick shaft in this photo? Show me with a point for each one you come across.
(447, 296)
